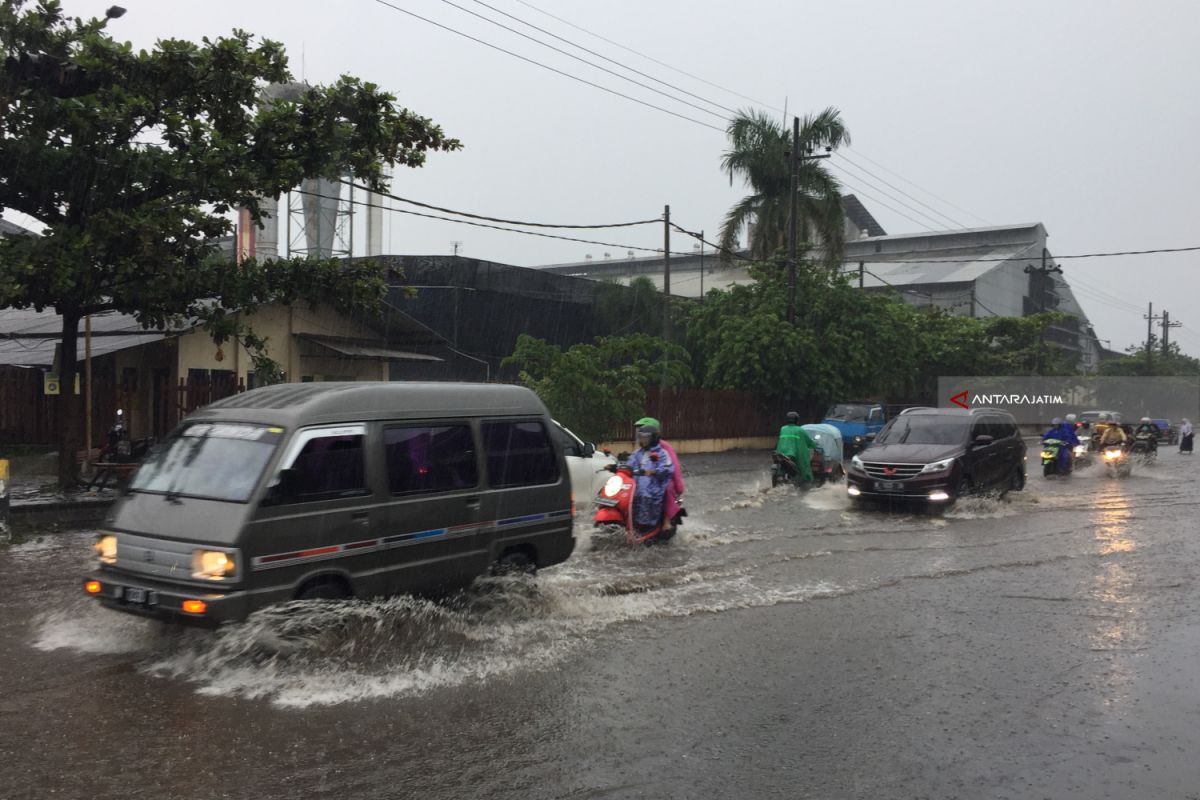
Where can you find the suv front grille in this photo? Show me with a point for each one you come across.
(892, 472)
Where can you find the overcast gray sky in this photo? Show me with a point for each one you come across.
(1080, 114)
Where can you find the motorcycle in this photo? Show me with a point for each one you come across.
(119, 448)
(614, 505)
(783, 470)
(1051, 448)
(1117, 462)
(1145, 445)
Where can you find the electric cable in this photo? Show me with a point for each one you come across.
(861, 168)
(547, 66)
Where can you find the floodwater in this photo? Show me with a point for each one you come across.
(784, 645)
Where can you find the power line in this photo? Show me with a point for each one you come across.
(923, 227)
(936, 224)
(863, 155)
(485, 225)
(716, 247)
(547, 66)
(649, 58)
(1158, 251)
(577, 58)
(497, 219)
(606, 58)
(861, 168)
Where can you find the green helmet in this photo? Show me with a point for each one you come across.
(647, 421)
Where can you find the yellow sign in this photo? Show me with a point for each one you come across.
(52, 385)
(4, 469)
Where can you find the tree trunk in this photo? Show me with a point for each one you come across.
(69, 437)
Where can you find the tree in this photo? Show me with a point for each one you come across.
(1173, 362)
(133, 162)
(758, 147)
(591, 387)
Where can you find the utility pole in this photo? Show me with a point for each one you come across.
(1038, 286)
(667, 273)
(701, 266)
(1166, 329)
(1150, 320)
(456, 245)
(793, 208)
(862, 271)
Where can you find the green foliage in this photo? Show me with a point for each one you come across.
(591, 387)
(1173, 362)
(758, 147)
(847, 344)
(133, 160)
(636, 308)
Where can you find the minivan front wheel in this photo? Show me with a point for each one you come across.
(324, 589)
(514, 562)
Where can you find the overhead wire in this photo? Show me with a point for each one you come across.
(1156, 251)
(914, 184)
(924, 226)
(605, 58)
(842, 156)
(431, 207)
(648, 57)
(484, 224)
(555, 70)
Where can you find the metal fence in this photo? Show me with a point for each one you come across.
(713, 414)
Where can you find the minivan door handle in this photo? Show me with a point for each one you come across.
(472, 503)
(361, 517)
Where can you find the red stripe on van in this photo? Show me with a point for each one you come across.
(279, 557)
(319, 551)
(359, 545)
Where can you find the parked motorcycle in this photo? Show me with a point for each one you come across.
(1117, 462)
(1051, 448)
(614, 505)
(119, 448)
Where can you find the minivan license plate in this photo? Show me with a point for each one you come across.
(135, 595)
(888, 486)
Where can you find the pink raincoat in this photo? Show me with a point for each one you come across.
(675, 487)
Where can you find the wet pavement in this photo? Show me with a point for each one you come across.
(1044, 645)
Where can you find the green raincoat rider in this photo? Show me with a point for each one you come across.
(796, 444)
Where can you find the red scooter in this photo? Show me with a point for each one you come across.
(614, 505)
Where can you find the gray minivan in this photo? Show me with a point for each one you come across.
(331, 490)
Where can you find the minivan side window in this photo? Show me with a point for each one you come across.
(430, 458)
(519, 454)
(329, 464)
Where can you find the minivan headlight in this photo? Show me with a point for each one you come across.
(213, 565)
(106, 548)
(938, 466)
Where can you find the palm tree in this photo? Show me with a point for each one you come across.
(758, 154)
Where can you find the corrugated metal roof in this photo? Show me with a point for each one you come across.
(909, 271)
(357, 350)
(28, 337)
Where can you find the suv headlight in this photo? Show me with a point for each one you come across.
(856, 462)
(106, 548)
(938, 466)
(213, 565)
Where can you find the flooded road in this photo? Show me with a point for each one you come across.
(1040, 646)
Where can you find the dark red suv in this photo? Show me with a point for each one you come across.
(936, 455)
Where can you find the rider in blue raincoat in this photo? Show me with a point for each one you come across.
(656, 471)
(1063, 432)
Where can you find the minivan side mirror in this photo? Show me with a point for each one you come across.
(589, 450)
(983, 440)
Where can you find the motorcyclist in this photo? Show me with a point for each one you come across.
(796, 444)
(653, 468)
(1063, 432)
(1113, 436)
(1149, 430)
(674, 497)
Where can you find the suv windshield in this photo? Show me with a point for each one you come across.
(221, 461)
(848, 413)
(925, 430)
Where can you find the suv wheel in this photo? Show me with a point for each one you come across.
(1017, 482)
(962, 489)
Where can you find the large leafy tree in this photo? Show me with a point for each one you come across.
(757, 154)
(592, 387)
(133, 161)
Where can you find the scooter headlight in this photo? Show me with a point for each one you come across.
(1047, 454)
(612, 486)
(1080, 450)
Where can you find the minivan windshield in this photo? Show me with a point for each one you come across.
(848, 412)
(933, 429)
(216, 461)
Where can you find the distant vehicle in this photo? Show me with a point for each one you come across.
(827, 460)
(857, 421)
(938, 455)
(336, 490)
(1168, 433)
(585, 463)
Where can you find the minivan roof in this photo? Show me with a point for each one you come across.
(296, 404)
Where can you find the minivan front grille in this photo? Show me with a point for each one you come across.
(892, 472)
